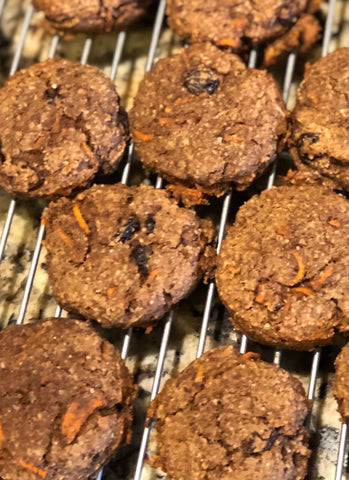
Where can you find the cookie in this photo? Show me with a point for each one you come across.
(240, 25)
(341, 383)
(204, 120)
(282, 270)
(91, 16)
(319, 123)
(124, 255)
(231, 416)
(65, 401)
(60, 125)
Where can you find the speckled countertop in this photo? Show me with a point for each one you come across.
(184, 336)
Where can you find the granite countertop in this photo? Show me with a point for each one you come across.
(185, 332)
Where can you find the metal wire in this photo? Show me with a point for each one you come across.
(341, 451)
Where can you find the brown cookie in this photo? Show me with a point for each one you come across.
(341, 383)
(282, 270)
(65, 401)
(319, 123)
(60, 125)
(230, 416)
(124, 255)
(238, 25)
(202, 119)
(91, 15)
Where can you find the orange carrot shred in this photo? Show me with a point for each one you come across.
(149, 329)
(259, 298)
(80, 219)
(65, 237)
(2, 437)
(305, 290)
(33, 468)
(168, 109)
(335, 223)
(250, 355)
(110, 291)
(55, 126)
(165, 121)
(228, 42)
(200, 374)
(76, 415)
(87, 150)
(324, 276)
(313, 97)
(232, 138)
(240, 22)
(301, 267)
(152, 275)
(146, 137)
(43, 221)
(43, 243)
(38, 143)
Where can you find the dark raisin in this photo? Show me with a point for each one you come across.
(150, 223)
(131, 227)
(52, 92)
(140, 254)
(203, 80)
(308, 138)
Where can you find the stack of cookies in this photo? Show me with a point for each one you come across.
(124, 256)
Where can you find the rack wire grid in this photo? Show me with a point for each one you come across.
(162, 333)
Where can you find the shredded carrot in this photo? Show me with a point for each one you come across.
(43, 243)
(324, 276)
(2, 437)
(110, 291)
(153, 461)
(232, 138)
(87, 150)
(33, 468)
(281, 231)
(227, 42)
(149, 329)
(240, 22)
(259, 298)
(55, 127)
(301, 267)
(306, 291)
(313, 97)
(65, 237)
(80, 219)
(146, 137)
(251, 355)
(43, 222)
(38, 143)
(82, 91)
(200, 374)
(165, 121)
(152, 275)
(335, 223)
(76, 415)
(168, 109)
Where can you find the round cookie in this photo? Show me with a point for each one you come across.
(319, 141)
(124, 255)
(240, 24)
(341, 383)
(65, 401)
(60, 125)
(231, 416)
(91, 16)
(202, 119)
(282, 269)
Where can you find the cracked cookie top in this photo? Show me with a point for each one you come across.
(231, 416)
(60, 124)
(282, 269)
(65, 401)
(202, 119)
(91, 15)
(124, 255)
(320, 126)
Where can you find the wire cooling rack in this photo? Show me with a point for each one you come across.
(210, 292)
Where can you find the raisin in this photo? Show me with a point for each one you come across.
(52, 92)
(131, 227)
(310, 138)
(203, 80)
(140, 255)
(150, 223)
